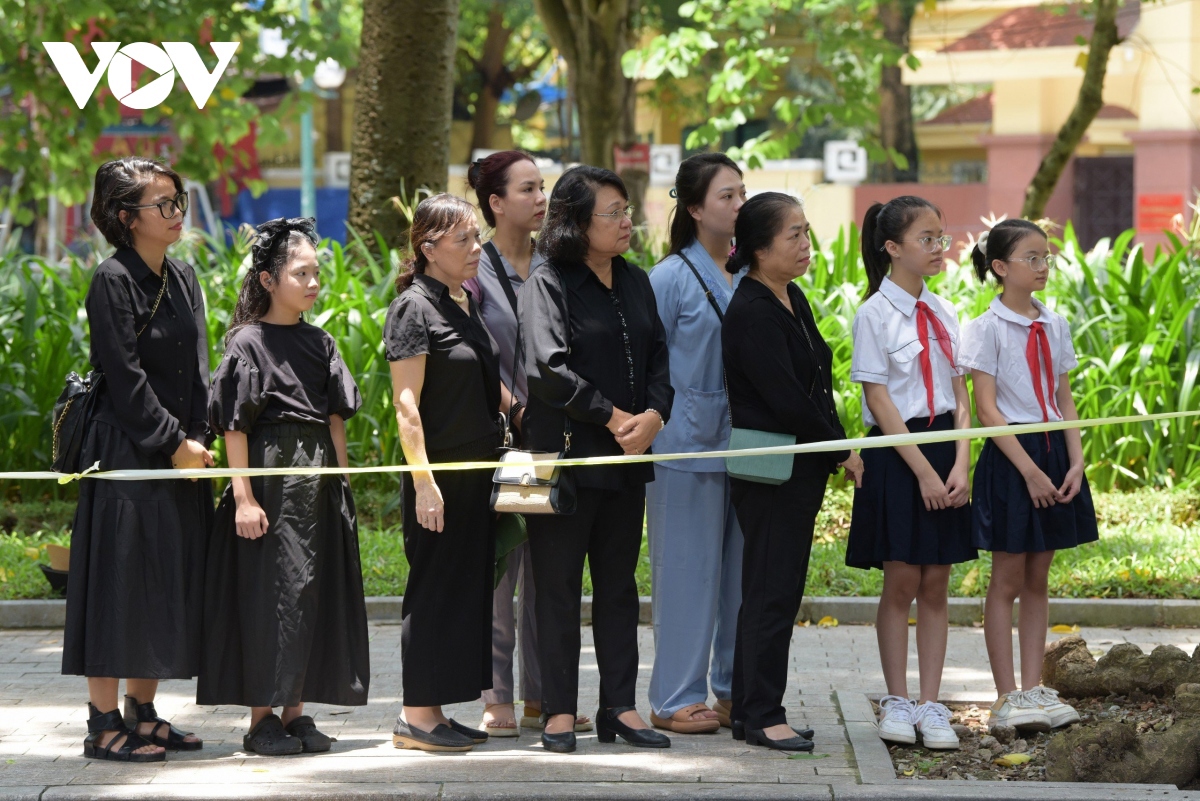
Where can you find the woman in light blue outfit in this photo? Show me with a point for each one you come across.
(695, 541)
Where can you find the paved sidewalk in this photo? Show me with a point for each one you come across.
(43, 723)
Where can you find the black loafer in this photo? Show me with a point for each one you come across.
(561, 743)
(442, 738)
(757, 737)
(305, 730)
(738, 727)
(477, 736)
(608, 726)
(270, 739)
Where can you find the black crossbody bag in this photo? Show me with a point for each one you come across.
(75, 406)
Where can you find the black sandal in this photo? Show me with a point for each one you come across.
(136, 713)
(305, 730)
(130, 741)
(270, 739)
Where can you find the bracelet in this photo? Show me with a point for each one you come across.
(661, 422)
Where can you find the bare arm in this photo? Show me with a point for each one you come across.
(408, 378)
(1066, 404)
(958, 484)
(249, 518)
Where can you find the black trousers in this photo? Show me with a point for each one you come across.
(446, 623)
(777, 524)
(606, 529)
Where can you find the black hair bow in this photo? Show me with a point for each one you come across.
(272, 232)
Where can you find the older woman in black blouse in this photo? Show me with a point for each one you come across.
(137, 547)
(596, 363)
(448, 398)
(778, 370)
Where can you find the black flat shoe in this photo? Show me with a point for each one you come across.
(305, 730)
(757, 737)
(270, 739)
(476, 735)
(442, 738)
(561, 743)
(608, 726)
(738, 727)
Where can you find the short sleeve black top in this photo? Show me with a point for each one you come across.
(779, 369)
(280, 374)
(586, 352)
(155, 385)
(460, 397)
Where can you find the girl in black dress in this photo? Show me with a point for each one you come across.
(137, 547)
(284, 617)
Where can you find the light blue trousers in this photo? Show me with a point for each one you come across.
(696, 570)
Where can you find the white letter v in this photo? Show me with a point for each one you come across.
(74, 72)
(196, 79)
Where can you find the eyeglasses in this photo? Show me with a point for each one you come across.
(932, 244)
(165, 208)
(626, 212)
(1039, 264)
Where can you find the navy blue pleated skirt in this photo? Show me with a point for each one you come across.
(1004, 517)
(890, 522)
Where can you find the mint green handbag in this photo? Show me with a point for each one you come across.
(772, 469)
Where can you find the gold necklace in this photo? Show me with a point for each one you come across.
(461, 297)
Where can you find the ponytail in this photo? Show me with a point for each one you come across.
(999, 244)
(883, 223)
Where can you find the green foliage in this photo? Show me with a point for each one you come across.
(734, 57)
(1135, 325)
(46, 117)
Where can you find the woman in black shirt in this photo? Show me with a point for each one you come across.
(599, 383)
(137, 547)
(448, 397)
(778, 370)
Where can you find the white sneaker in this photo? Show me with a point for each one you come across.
(932, 721)
(1018, 710)
(896, 720)
(1060, 714)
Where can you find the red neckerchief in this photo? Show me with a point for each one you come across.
(925, 319)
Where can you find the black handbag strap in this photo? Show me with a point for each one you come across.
(501, 275)
(704, 285)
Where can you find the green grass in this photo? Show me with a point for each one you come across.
(1149, 548)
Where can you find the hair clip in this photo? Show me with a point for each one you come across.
(674, 192)
(982, 244)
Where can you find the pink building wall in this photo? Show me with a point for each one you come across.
(961, 204)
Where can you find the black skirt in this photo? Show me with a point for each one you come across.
(137, 567)
(285, 621)
(889, 521)
(446, 634)
(1004, 517)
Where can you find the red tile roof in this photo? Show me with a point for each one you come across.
(979, 110)
(1040, 26)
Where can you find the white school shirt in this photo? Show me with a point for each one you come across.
(887, 351)
(995, 342)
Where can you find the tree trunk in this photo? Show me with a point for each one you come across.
(592, 35)
(637, 181)
(492, 72)
(895, 98)
(402, 109)
(1087, 106)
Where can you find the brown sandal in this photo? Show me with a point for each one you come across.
(724, 710)
(681, 722)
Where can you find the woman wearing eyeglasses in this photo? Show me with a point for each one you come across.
(599, 385)
(137, 547)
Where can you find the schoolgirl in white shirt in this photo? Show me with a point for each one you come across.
(1030, 495)
(911, 515)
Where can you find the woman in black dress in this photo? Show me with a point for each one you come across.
(448, 399)
(284, 617)
(778, 370)
(599, 383)
(137, 547)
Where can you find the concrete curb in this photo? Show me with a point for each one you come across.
(879, 781)
(1137, 612)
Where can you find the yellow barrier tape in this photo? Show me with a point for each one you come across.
(859, 443)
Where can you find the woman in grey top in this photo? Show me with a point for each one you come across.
(513, 201)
